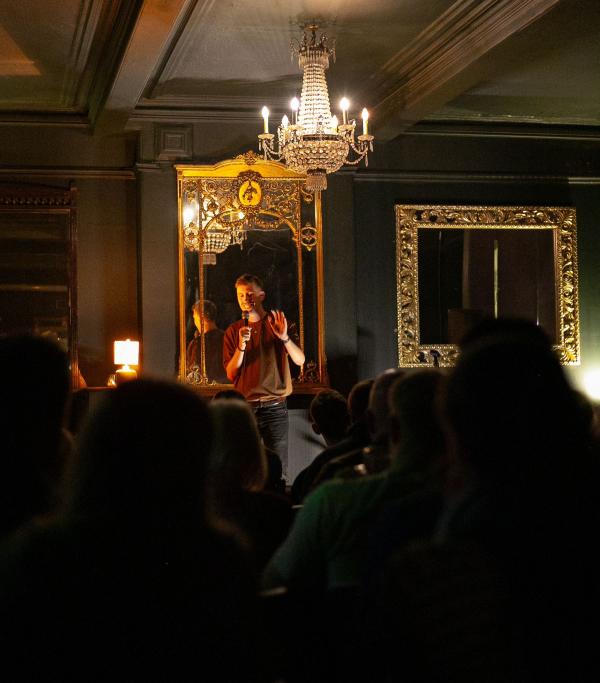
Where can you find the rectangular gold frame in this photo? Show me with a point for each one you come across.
(411, 218)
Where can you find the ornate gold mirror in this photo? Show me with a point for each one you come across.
(456, 265)
(246, 215)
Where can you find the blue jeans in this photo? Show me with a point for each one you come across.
(273, 424)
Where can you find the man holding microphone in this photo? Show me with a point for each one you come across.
(255, 357)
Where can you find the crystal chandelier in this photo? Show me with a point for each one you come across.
(314, 142)
(209, 231)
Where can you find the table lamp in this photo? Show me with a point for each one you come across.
(127, 353)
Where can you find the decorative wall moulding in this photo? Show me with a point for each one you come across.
(173, 142)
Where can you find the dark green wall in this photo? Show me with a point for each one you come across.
(434, 170)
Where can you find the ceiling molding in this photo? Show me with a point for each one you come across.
(507, 130)
(460, 177)
(194, 15)
(44, 118)
(458, 38)
(158, 26)
(110, 42)
(157, 115)
(89, 15)
(69, 172)
(205, 103)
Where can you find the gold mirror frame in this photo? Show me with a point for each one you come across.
(410, 219)
(243, 193)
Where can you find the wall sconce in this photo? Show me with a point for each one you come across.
(127, 353)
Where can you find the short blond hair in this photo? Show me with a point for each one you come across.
(249, 279)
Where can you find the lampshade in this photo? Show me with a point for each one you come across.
(127, 352)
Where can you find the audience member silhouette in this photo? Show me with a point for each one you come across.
(229, 393)
(417, 445)
(509, 592)
(239, 471)
(132, 583)
(329, 416)
(35, 447)
(358, 432)
(375, 456)
(275, 482)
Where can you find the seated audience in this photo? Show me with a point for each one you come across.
(373, 457)
(326, 546)
(356, 437)
(275, 482)
(238, 477)
(132, 583)
(509, 590)
(35, 445)
(329, 416)
(416, 436)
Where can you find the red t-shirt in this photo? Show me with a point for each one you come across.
(265, 371)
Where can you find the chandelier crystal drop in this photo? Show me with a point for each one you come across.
(314, 143)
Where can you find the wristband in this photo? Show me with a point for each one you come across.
(285, 341)
(242, 350)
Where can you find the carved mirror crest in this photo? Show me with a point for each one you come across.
(456, 265)
(245, 215)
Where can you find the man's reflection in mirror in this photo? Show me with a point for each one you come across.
(205, 314)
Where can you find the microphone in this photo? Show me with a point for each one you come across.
(245, 316)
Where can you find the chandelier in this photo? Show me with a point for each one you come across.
(314, 142)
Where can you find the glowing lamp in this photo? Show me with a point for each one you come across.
(295, 105)
(127, 353)
(591, 382)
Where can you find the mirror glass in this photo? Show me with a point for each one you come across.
(468, 275)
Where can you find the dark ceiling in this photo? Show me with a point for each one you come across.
(452, 62)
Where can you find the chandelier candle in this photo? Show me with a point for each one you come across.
(295, 105)
(344, 106)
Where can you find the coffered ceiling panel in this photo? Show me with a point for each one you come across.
(57, 56)
(237, 55)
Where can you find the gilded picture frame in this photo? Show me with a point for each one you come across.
(412, 221)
